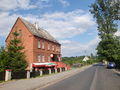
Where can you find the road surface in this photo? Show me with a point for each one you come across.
(38, 82)
(96, 77)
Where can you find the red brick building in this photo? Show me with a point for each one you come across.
(41, 49)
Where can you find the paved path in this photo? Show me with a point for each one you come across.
(39, 82)
(95, 78)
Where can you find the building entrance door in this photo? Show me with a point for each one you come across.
(55, 57)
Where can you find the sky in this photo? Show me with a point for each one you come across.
(69, 21)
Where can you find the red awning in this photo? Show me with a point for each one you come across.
(46, 64)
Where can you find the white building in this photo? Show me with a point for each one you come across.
(86, 58)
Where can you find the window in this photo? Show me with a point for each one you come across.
(53, 47)
(38, 43)
(39, 58)
(48, 58)
(56, 48)
(20, 32)
(42, 44)
(48, 46)
(59, 58)
(43, 58)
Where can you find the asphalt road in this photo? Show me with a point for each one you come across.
(96, 77)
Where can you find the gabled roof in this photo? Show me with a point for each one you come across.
(38, 32)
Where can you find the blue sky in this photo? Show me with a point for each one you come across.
(69, 21)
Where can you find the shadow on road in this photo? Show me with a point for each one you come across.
(117, 74)
(99, 64)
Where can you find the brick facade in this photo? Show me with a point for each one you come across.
(33, 52)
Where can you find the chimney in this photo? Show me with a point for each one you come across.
(36, 25)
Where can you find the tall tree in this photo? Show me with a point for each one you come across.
(3, 57)
(104, 12)
(16, 56)
(116, 6)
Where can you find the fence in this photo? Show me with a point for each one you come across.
(34, 74)
(27, 74)
(19, 75)
(2, 75)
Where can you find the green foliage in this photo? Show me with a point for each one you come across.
(72, 60)
(13, 58)
(78, 60)
(106, 14)
(109, 49)
(15, 54)
(3, 57)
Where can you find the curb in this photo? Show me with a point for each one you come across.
(118, 72)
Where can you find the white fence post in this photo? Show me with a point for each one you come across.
(65, 68)
(28, 74)
(49, 71)
(60, 69)
(8, 74)
(55, 70)
(41, 72)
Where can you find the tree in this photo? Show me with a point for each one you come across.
(91, 56)
(3, 61)
(116, 6)
(104, 12)
(15, 55)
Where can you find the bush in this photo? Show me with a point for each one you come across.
(75, 61)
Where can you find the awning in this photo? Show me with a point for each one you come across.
(47, 64)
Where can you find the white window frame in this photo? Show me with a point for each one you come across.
(43, 44)
(39, 58)
(49, 59)
(53, 47)
(57, 48)
(39, 44)
(48, 46)
(43, 58)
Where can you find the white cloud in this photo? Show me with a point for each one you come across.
(66, 25)
(63, 25)
(40, 4)
(6, 5)
(25, 4)
(65, 41)
(71, 48)
(117, 33)
(65, 3)
(6, 22)
(44, 0)
(60, 24)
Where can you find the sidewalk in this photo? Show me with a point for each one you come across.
(117, 71)
(39, 82)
